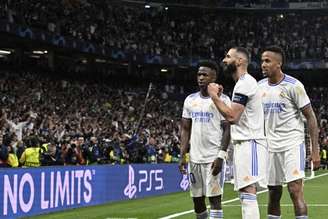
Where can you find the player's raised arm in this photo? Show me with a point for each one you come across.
(231, 113)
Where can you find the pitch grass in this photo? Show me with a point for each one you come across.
(316, 193)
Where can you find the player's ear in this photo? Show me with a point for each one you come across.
(280, 64)
(240, 61)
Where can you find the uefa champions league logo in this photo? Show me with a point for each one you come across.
(184, 184)
(131, 189)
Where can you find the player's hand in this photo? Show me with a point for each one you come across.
(217, 166)
(182, 166)
(315, 158)
(214, 89)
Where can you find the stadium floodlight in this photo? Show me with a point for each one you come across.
(166, 8)
(5, 52)
(100, 60)
(147, 6)
(40, 52)
(164, 70)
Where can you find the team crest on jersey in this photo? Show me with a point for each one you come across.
(194, 104)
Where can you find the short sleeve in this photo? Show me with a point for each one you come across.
(186, 111)
(243, 90)
(299, 96)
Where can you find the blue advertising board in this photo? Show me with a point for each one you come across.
(32, 191)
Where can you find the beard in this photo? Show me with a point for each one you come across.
(229, 69)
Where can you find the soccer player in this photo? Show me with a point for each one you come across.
(209, 136)
(247, 131)
(284, 101)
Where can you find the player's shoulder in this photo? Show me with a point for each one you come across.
(192, 96)
(246, 80)
(263, 82)
(291, 81)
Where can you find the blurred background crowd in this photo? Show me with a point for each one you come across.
(176, 32)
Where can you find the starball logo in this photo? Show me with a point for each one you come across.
(143, 181)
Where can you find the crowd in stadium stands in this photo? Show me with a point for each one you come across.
(226, 2)
(175, 32)
(319, 99)
(67, 122)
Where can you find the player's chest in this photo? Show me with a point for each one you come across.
(276, 100)
(204, 105)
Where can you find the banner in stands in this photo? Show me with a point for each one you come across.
(32, 191)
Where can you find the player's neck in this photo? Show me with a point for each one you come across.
(203, 93)
(276, 78)
(240, 72)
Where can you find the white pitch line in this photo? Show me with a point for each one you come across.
(283, 205)
(231, 200)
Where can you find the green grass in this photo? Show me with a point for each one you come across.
(316, 192)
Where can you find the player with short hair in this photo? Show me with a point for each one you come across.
(209, 136)
(247, 131)
(284, 101)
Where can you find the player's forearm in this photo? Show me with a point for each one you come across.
(184, 143)
(225, 137)
(225, 110)
(314, 134)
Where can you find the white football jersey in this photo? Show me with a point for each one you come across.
(282, 105)
(206, 130)
(251, 123)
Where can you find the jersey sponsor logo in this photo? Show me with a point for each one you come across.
(202, 117)
(273, 107)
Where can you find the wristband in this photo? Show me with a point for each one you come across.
(223, 155)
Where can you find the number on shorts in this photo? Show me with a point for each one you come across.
(192, 178)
